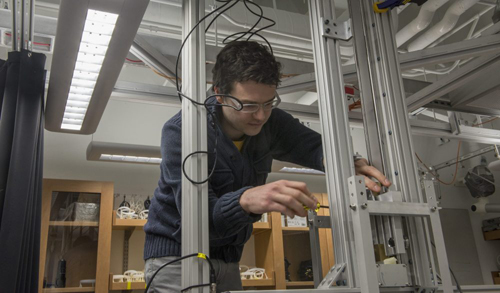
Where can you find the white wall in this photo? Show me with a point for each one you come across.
(139, 123)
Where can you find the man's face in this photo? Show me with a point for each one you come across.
(236, 123)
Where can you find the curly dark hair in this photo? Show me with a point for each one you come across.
(242, 61)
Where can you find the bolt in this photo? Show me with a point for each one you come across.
(327, 30)
(353, 207)
(390, 132)
(364, 206)
(433, 209)
(380, 284)
(396, 173)
(327, 21)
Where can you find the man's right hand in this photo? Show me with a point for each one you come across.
(286, 197)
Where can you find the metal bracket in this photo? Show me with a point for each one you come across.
(337, 30)
(454, 123)
(319, 221)
(332, 276)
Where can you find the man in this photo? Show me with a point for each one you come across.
(247, 142)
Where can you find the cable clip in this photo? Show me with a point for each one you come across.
(384, 6)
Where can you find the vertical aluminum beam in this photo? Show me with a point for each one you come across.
(367, 278)
(194, 138)
(337, 144)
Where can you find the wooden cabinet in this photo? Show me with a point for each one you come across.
(273, 243)
(75, 236)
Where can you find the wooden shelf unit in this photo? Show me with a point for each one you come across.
(258, 283)
(492, 235)
(102, 248)
(125, 285)
(69, 290)
(127, 224)
(74, 223)
(300, 284)
(272, 242)
(298, 229)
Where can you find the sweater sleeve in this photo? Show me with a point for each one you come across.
(293, 142)
(227, 219)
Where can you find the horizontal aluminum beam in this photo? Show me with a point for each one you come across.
(445, 53)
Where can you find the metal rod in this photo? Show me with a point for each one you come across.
(463, 158)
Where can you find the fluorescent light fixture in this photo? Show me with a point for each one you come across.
(93, 38)
(124, 153)
(301, 170)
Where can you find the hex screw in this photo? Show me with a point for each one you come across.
(433, 209)
(373, 24)
(327, 30)
(364, 206)
(396, 173)
(390, 132)
(378, 58)
(327, 21)
(353, 207)
(383, 94)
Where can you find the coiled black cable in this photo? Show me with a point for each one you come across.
(225, 7)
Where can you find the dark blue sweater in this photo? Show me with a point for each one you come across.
(282, 137)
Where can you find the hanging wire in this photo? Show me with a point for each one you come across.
(228, 4)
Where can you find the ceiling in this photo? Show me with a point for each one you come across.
(161, 31)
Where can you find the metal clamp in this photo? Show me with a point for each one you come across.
(332, 276)
(337, 30)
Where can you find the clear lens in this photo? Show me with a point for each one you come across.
(233, 103)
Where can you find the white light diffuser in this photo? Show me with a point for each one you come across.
(132, 159)
(89, 64)
(93, 39)
(124, 153)
(301, 170)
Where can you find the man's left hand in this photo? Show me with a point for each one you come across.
(363, 168)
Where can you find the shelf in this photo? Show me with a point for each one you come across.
(257, 283)
(126, 286)
(69, 290)
(127, 224)
(72, 224)
(492, 235)
(295, 228)
(300, 284)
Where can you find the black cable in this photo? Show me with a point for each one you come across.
(195, 286)
(205, 257)
(225, 7)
